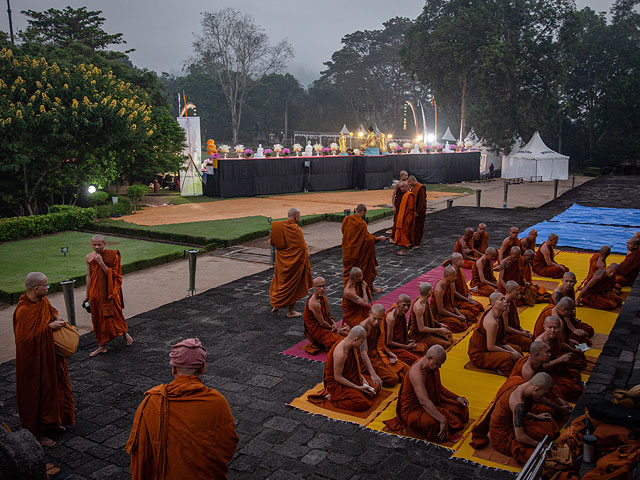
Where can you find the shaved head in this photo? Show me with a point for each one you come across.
(494, 297)
(403, 174)
(318, 281)
(516, 251)
(449, 271)
(529, 253)
(514, 230)
(512, 285)
(357, 332)
(361, 207)
(482, 225)
(404, 298)
(553, 237)
(293, 213)
(97, 238)
(570, 275)
(437, 353)
(425, 288)
(552, 319)
(492, 252)
(565, 303)
(605, 250)
(377, 308)
(412, 178)
(542, 380)
(355, 271)
(538, 347)
(456, 257)
(34, 278)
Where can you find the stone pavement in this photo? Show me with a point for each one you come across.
(244, 341)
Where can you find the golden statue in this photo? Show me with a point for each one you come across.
(372, 139)
(342, 142)
(383, 143)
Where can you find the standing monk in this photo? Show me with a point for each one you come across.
(422, 326)
(404, 225)
(425, 405)
(480, 239)
(463, 300)
(601, 292)
(544, 263)
(356, 299)
(463, 248)
(319, 326)
(629, 267)
(183, 429)
(598, 261)
(104, 293)
(508, 243)
(396, 332)
(419, 191)
(514, 334)
(483, 280)
(43, 391)
(358, 247)
(396, 198)
(529, 242)
(442, 304)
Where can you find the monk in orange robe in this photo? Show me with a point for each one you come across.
(598, 261)
(566, 288)
(425, 405)
(396, 198)
(544, 263)
(510, 269)
(630, 266)
(442, 305)
(344, 385)
(531, 292)
(422, 326)
(463, 248)
(378, 361)
(462, 298)
(419, 191)
(514, 334)
(183, 429)
(480, 239)
(43, 391)
(358, 247)
(404, 225)
(356, 299)
(104, 294)
(601, 292)
(319, 326)
(487, 348)
(508, 243)
(529, 242)
(575, 330)
(397, 334)
(483, 280)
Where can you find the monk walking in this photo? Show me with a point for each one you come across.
(463, 247)
(356, 299)
(480, 239)
(319, 326)
(183, 429)
(422, 326)
(43, 392)
(514, 334)
(442, 304)
(425, 405)
(397, 335)
(529, 242)
(403, 233)
(508, 243)
(358, 247)
(396, 198)
(483, 280)
(601, 292)
(419, 191)
(104, 293)
(544, 263)
(629, 267)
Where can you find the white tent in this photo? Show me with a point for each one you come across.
(471, 137)
(448, 136)
(536, 160)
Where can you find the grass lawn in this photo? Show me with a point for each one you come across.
(43, 254)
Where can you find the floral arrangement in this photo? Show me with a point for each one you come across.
(399, 149)
(239, 148)
(407, 146)
(393, 146)
(468, 145)
(317, 147)
(297, 148)
(248, 153)
(326, 151)
(224, 148)
(286, 152)
(268, 152)
(426, 148)
(452, 148)
(357, 152)
(436, 147)
(350, 151)
(334, 147)
(277, 148)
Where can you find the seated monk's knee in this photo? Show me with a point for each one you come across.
(359, 403)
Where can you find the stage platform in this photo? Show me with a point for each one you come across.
(248, 177)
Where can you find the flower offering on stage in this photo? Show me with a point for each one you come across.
(333, 147)
(248, 153)
(276, 148)
(326, 151)
(286, 152)
(317, 147)
(268, 152)
(297, 148)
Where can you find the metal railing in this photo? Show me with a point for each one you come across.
(533, 467)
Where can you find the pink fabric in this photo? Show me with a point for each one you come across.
(188, 353)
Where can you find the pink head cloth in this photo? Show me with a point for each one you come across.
(188, 353)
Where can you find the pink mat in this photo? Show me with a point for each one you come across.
(411, 289)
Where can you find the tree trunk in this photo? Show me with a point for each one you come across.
(463, 108)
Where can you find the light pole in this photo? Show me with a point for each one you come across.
(10, 23)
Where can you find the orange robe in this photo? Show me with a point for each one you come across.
(593, 267)
(547, 311)
(619, 464)
(629, 268)
(292, 271)
(532, 293)
(182, 430)
(354, 314)
(512, 243)
(480, 243)
(390, 373)
(315, 333)
(43, 391)
(468, 309)
(419, 191)
(514, 322)
(401, 335)
(409, 412)
(512, 271)
(602, 295)
(468, 263)
(428, 339)
(524, 244)
(541, 268)
(358, 249)
(404, 232)
(481, 357)
(105, 298)
(451, 323)
(554, 299)
(483, 289)
(397, 201)
(538, 407)
(567, 381)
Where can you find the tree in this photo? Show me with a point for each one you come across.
(236, 51)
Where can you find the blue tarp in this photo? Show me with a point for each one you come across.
(588, 237)
(599, 216)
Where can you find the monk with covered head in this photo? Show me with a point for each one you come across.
(43, 392)
(544, 263)
(483, 280)
(630, 266)
(601, 291)
(403, 231)
(423, 328)
(514, 334)
(480, 239)
(397, 334)
(442, 304)
(508, 243)
(463, 248)
(183, 429)
(319, 326)
(425, 405)
(292, 272)
(529, 242)
(356, 299)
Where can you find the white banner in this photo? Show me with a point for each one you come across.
(191, 178)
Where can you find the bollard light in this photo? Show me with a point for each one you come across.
(555, 188)
(450, 203)
(193, 255)
(506, 193)
(347, 212)
(67, 291)
(478, 195)
(573, 181)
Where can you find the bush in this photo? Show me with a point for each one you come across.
(97, 198)
(136, 192)
(123, 207)
(61, 218)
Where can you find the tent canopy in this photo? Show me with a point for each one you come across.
(535, 160)
(448, 135)
(344, 130)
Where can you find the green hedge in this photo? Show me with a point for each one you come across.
(123, 207)
(61, 218)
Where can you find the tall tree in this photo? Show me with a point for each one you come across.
(235, 50)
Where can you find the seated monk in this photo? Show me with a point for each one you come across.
(544, 263)
(463, 248)
(377, 360)
(403, 231)
(425, 405)
(480, 239)
(487, 348)
(483, 281)
(442, 305)
(514, 334)
(565, 363)
(344, 385)
(629, 267)
(508, 243)
(598, 261)
(566, 288)
(462, 299)
(510, 269)
(422, 326)
(397, 335)
(529, 242)
(573, 329)
(601, 292)
(531, 292)
(356, 299)
(319, 326)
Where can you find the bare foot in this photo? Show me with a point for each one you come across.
(98, 351)
(46, 441)
(128, 338)
(474, 289)
(293, 313)
(415, 247)
(274, 310)
(402, 252)
(376, 289)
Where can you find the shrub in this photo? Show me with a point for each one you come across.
(96, 198)
(123, 207)
(61, 218)
(136, 192)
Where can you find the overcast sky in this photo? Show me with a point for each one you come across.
(162, 31)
